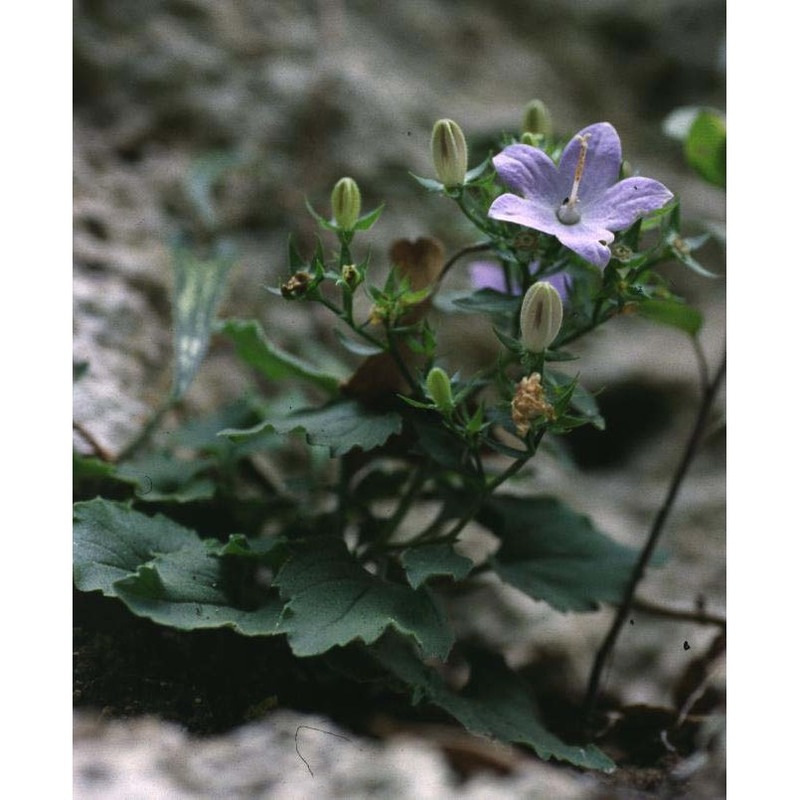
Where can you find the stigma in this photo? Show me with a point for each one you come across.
(568, 212)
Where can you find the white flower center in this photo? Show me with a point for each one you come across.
(567, 212)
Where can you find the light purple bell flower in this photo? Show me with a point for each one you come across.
(581, 201)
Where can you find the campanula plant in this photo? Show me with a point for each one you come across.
(356, 553)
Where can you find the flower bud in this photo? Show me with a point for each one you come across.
(536, 119)
(437, 387)
(449, 149)
(541, 315)
(346, 203)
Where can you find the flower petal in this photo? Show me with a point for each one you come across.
(622, 204)
(530, 212)
(529, 171)
(588, 241)
(487, 275)
(603, 160)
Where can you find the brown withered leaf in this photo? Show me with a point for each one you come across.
(421, 262)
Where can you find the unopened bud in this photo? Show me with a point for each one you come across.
(437, 387)
(537, 119)
(625, 170)
(541, 315)
(346, 203)
(449, 149)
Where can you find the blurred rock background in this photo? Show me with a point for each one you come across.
(210, 121)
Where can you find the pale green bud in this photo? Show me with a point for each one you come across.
(437, 387)
(346, 203)
(625, 170)
(536, 119)
(449, 149)
(541, 315)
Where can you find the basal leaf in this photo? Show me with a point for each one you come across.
(554, 554)
(188, 590)
(341, 427)
(333, 600)
(253, 347)
(434, 560)
(166, 573)
(495, 703)
(111, 540)
(160, 477)
(198, 290)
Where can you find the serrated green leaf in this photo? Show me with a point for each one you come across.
(554, 554)
(253, 347)
(672, 313)
(341, 427)
(160, 477)
(434, 560)
(333, 600)
(495, 703)
(704, 147)
(164, 571)
(187, 590)
(111, 540)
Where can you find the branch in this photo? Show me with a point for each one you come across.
(624, 609)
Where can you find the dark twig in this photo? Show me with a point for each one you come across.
(624, 609)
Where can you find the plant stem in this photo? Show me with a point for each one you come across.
(698, 617)
(625, 606)
(471, 248)
(141, 439)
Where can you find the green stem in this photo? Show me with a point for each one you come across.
(144, 435)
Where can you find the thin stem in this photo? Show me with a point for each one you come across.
(405, 503)
(625, 606)
(697, 617)
(148, 430)
(702, 363)
(472, 248)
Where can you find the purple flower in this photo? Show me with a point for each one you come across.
(580, 201)
(488, 275)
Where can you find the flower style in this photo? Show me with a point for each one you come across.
(580, 201)
(489, 275)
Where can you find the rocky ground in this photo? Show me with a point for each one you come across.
(281, 99)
